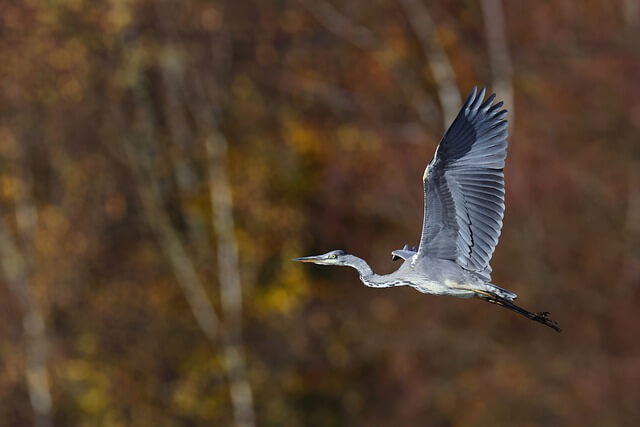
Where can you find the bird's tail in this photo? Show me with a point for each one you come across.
(495, 298)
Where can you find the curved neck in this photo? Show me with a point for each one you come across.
(367, 276)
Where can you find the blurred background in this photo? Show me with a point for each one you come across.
(161, 163)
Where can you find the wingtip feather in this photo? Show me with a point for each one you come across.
(485, 106)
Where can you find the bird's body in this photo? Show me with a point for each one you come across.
(463, 211)
(439, 277)
(430, 276)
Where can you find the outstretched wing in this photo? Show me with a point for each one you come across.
(464, 187)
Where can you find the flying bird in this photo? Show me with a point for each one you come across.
(463, 212)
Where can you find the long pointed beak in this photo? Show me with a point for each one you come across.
(313, 258)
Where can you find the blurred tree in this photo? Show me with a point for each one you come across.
(17, 252)
(161, 163)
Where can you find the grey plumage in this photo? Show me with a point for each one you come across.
(463, 212)
(464, 188)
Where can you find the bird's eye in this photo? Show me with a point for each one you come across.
(333, 256)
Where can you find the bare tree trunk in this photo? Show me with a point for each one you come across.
(18, 261)
(15, 272)
(229, 277)
(497, 40)
(205, 112)
(436, 56)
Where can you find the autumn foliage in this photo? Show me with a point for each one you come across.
(162, 162)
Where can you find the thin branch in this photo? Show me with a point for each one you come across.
(339, 24)
(436, 56)
(338, 99)
(501, 67)
(179, 134)
(167, 236)
(188, 280)
(361, 37)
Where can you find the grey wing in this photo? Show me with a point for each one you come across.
(464, 187)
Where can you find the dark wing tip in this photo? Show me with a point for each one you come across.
(486, 104)
(471, 97)
(475, 99)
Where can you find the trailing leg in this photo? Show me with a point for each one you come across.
(542, 317)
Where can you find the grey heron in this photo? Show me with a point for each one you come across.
(463, 211)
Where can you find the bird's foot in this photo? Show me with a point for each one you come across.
(543, 317)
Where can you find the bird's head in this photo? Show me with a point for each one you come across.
(336, 257)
